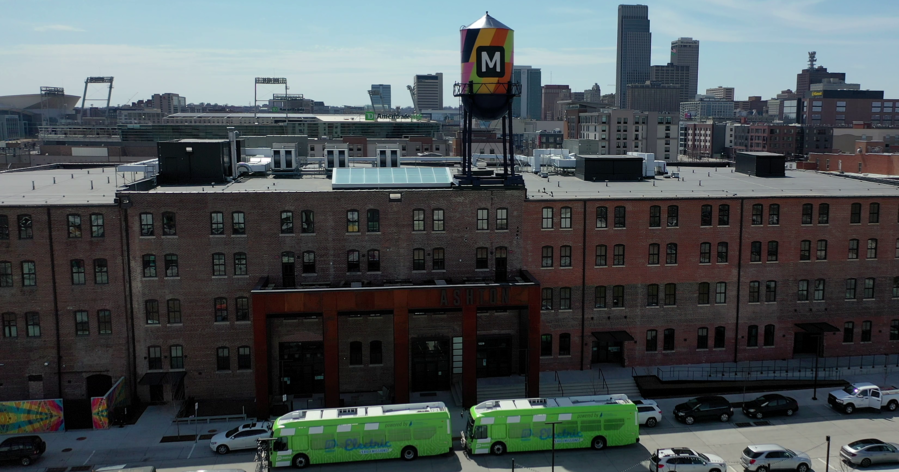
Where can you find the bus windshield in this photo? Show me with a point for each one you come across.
(470, 429)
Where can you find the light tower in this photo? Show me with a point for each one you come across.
(96, 80)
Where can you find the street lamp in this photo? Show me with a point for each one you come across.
(818, 339)
(553, 439)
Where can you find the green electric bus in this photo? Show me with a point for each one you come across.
(597, 421)
(361, 434)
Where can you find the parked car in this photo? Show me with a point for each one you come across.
(22, 449)
(242, 437)
(684, 459)
(648, 412)
(704, 408)
(769, 405)
(865, 452)
(767, 457)
(863, 395)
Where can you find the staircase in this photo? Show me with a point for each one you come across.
(501, 392)
(625, 385)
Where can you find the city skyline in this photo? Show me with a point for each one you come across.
(216, 58)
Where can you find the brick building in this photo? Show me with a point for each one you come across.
(869, 158)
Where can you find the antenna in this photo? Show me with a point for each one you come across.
(812, 59)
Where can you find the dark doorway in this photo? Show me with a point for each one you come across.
(288, 269)
(607, 352)
(77, 414)
(494, 356)
(804, 343)
(157, 394)
(500, 263)
(302, 368)
(98, 385)
(431, 364)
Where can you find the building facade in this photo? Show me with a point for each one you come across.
(704, 108)
(623, 131)
(428, 91)
(384, 92)
(654, 96)
(685, 52)
(529, 104)
(633, 50)
(721, 93)
(552, 94)
(672, 74)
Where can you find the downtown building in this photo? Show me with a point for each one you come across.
(529, 105)
(633, 50)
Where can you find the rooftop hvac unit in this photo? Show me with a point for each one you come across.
(284, 157)
(389, 155)
(336, 155)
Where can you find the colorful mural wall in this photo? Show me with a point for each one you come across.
(116, 397)
(31, 416)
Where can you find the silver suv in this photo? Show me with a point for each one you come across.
(767, 457)
(684, 459)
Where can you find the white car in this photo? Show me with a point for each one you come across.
(648, 412)
(684, 459)
(241, 437)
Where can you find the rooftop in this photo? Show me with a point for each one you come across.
(362, 411)
(60, 186)
(541, 403)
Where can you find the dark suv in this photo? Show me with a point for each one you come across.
(22, 449)
(704, 408)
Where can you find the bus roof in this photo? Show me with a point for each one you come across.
(360, 412)
(544, 403)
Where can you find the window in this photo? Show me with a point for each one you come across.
(721, 292)
(6, 279)
(869, 288)
(894, 330)
(821, 254)
(872, 249)
(774, 214)
(146, 224)
(502, 219)
(564, 344)
(848, 332)
(652, 341)
(10, 330)
(77, 272)
(703, 293)
(32, 325)
(104, 321)
(755, 251)
(723, 215)
(149, 264)
(819, 289)
(874, 213)
(805, 250)
(220, 305)
(768, 340)
(29, 275)
(652, 295)
(565, 256)
(373, 219)
(602, 217)
(757, 213)
(601, 252)
(702, 338)
(655, 216)
(705, 253)
(173, 307)
(74, 222)
(307, 222)
(218, 265)
(722, 253)
(653, 254)
(352, 221)
(101, 272)
(671, 254)
(169, 228)
(618, 296)
(242, 310)
(620, 214)
(438, 222)
(618, 255)
(565, 298)
(850, 289)
(807, 210)
(547, 256)
(855, 213)
(565, 218)
(222, 359)
(154, 358)
(853, 249)
(719, 337)
(752, 336)
(308, 262)
(286, 222)
(670, 294)
(171, 265)
(483, 222)
(240, 263)
(374, 260)
(771, 291)
(547, 222)
(866, 331)
(895, 287)
(668, 340)
(4, 227)
(418, 220)
(238, 223)
(823, 214)
(375, 353)
(243, 358)
(176, 356)
(754, 291)
(705, 219)
(217, 223)
(672, 216)
(481, 261)
(772, 251)
(151, 308)
(82, 324)
(546, 345)
(546, 299)
(599, 296)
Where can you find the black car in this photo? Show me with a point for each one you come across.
(22, 449)
(769, 405)
(704, 408)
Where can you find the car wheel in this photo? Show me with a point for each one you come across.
(790, 412)
(866, 462)
(409, 453)
(761, 468)
(802, 467)
(724, 417)
(652, 422)
(498, 449)
(300, 461)
(848, 409)
(689, 420)
(25, 461)
(599, 442)
(759, 415)
(892, 405)
(223, 449)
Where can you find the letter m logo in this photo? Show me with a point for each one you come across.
(491, 61)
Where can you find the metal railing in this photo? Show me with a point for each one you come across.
(829, 368)
(605, 386)
(559, 382)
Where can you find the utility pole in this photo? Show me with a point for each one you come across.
(553, 439)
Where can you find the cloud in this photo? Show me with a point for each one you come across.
(68, 28)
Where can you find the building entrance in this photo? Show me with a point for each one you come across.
(607, 352)
(430, 364)
(494, 356)
(302, 368)
(804, 343)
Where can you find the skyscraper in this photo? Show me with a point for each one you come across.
(671, 74)
(428, 91)
(685, 52)
(384, 90)
(528, 105)
(634, 44)
(551, 95)
(593, 95)
(814, 75)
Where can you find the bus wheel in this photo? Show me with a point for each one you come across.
(409, 453)
(498, 448)
(599, 442)
(300, 461)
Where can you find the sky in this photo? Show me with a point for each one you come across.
(210, 51)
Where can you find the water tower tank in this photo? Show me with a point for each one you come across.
(487, 58)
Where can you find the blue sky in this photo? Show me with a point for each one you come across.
(210, 51)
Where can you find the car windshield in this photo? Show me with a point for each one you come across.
(850, 390)
(864, 442)
(791, 452)
(232, 432)
(762, 399)
(751, 454)
(704, 457)
(692, 403)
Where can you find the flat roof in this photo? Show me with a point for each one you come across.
(60, 186)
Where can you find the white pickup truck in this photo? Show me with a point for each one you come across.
(863, 395)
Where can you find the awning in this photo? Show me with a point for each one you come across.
(162, 378)
(613, 336)
(818, 328)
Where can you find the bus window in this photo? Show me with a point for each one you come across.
(424, 433)
(480, 432)
(399, 434)
(591, 425)
(280, 445)
(613, 424)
